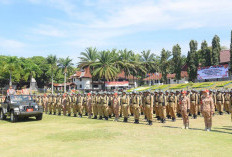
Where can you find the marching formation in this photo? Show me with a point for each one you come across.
(168, 104)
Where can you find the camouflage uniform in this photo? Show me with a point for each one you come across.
(220, 102)
(185, 109)
(162, 107)
(124, 100)
(136, 108)
(207, 110)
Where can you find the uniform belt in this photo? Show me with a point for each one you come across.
(219, 100)
(172, 101)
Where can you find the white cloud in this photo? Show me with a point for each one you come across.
(11, 46)
(48, 30)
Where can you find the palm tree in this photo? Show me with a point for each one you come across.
(89, 57)
(105, 67)
(148, 61)
(12, 64)
(52, 61)
(65, 65)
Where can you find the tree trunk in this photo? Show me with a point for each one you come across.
(52, 81)
(65, 82)
(10, 78)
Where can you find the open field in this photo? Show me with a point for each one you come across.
(69, 136)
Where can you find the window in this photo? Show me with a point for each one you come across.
(80, 86)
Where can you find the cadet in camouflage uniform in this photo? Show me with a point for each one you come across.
(110, 107)
(162, 106)
(185, 109)
(89, 104)
(207, 110)
(136, 108)
(84, 105)
(79, 105)
(172, 103)
(116, 104)
(104, 104)
(54, 104)
(99, 105)
(59, 104)
(64, 104)
(50, 104)
(45, 103)
(148, 101)
(167, 106)
(156, 105)
(94, 104)
(69, 104)
(220, 102)
(178, 110)
(227, 103)
(124, 103)
(193, 104)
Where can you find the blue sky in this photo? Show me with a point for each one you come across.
(67, 27)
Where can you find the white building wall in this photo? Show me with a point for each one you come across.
(83, 83)
(183, 80)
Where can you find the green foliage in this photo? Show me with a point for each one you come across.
(231, 54)
(216, 48)
(192, 60)
(164, 64)
(205, 54)
(161, 87)
(176, 52)
(223, 84)
(203, 85)
(180, 86)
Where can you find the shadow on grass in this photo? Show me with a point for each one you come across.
(22, 120)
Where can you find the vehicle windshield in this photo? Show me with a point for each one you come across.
(20, 98)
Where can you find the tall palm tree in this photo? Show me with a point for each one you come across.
(65, 65)
(148, 62)
(52, 61)
(12, 64)
(88, 58)
(105, 66)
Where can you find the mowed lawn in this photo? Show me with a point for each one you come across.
(69, 136)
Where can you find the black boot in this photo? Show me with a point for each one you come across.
(100, 117)
(86, 114)
(195, 116)
(75, 115)
(136, 121)
(109, 116)
(120, 115)
(54, 113)
(59, 114)
(69, 114)
(158, 117)
(190, 114)
(145, 118)
(132, 114)
(80, 115)
(95, 117)
(163, 120)
(227, 112)
(141, 113)
(50, 113)
(173, 119)
(150, 122)
(106, 118)
(199, 113)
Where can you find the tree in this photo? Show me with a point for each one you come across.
(216, 48)
(205, 54)
(176, 52)
(164, 63)
(192, 61)
(105, 68)
(125, 62)
(11, 65)
(52, 61)
(231, 54)
(65, 65)
(148, 61)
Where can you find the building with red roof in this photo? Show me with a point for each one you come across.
(83, 81)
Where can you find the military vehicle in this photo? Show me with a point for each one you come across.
(20, 106)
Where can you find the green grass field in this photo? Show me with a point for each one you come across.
(69, 136)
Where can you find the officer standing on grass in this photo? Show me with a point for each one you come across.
(116, 104)
(124, 103)
(207, 110)
(162, 106)
(185, 109)
(220, 102)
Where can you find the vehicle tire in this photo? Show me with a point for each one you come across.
(2, 116)
(13, 117)
(39, 117)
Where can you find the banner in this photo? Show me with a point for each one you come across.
(213, 72)
(117, 84)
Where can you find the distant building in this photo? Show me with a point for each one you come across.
(84, 81)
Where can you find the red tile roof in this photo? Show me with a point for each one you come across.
(183, 74)
(156, 76)
(122, 75)
(225, 56)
